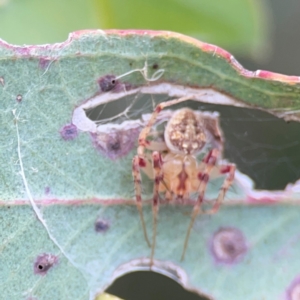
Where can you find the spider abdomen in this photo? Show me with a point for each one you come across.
(184, 132)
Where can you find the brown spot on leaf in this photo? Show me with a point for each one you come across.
(101, 225)
(44, 62)
(115, 143)
(19, 98)
(69, 132)
(107, 83)
(228, 245)
(44, 262)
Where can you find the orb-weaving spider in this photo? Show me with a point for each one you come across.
(173, 163)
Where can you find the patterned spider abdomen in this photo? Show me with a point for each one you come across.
(185, 132)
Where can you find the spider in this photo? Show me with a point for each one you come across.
(174, 166)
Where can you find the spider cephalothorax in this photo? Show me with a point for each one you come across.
(173, 163)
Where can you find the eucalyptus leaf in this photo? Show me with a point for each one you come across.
(69, 224)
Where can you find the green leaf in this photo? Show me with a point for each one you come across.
(69, 224)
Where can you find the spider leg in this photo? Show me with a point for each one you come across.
(229, 170)
(158, 177)
(138, 193)
(209, 161)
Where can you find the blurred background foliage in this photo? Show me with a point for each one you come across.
(260, 33)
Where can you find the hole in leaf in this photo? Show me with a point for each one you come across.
(262, 146)
(148, 286)
(126, 108)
